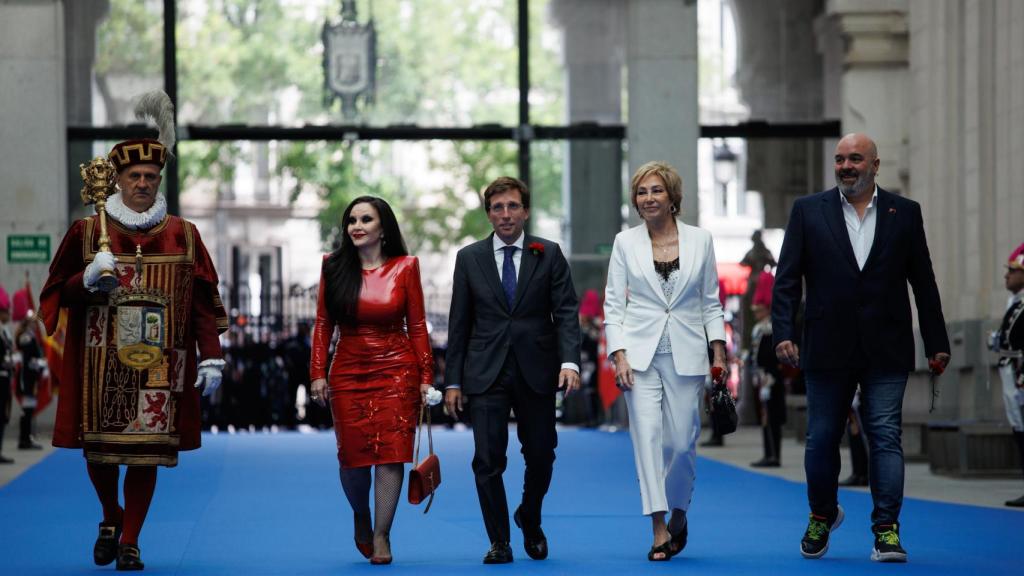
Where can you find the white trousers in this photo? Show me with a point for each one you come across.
(1012, 398)
(664, 424)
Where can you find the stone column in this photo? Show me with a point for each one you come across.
(32, 146)
(593, 35)
(873, 84)
(664, 123)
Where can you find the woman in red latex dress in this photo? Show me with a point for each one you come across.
(382, 368)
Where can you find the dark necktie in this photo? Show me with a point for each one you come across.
(508, 275)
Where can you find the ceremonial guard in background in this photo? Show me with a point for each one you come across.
(1008, 342)
(140, 306)
(30, 363)
(6, 366)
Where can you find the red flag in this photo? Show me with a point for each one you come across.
(606, 387)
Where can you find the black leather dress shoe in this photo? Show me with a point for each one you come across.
(104, 551)
(129, 557)
(500, 553)
(766, 463)
(854, 480)
(534, 541)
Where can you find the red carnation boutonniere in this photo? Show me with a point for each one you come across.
(536, 248)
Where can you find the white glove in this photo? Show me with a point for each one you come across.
(434, 396)
(210, 374)
(102, 261)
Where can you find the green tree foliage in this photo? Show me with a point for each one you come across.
(439, 63)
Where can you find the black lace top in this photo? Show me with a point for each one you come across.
(665, 269)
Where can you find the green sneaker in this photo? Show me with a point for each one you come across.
(815, 541)
(887, 544)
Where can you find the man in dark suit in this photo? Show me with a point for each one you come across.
(856, 247)
(513, 336)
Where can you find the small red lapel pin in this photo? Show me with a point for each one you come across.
(892, 210)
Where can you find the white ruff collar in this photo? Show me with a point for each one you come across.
(137, 220)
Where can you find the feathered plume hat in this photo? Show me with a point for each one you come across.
(1016, 261)
(157, 106)
(763, 292)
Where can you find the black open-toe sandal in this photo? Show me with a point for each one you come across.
(678, 541)
(665, 550)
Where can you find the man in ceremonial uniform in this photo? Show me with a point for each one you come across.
(1008, 342)
(30, 363)
(131, 375)
(6, 367)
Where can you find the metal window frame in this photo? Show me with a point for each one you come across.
(523, 134)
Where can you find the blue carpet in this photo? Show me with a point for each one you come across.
(271, 504)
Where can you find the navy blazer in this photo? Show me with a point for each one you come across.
(849, 309)
(542, 327)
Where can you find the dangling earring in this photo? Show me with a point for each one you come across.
(382, 240)
(674, 209)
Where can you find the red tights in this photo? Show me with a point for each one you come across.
(139, 484)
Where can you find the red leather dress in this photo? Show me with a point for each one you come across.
(378, 365)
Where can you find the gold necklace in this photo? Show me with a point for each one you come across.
(666, 246)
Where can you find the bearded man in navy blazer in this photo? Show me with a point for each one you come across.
(856, 247)
(513, 337)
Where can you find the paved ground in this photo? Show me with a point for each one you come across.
(744, 446)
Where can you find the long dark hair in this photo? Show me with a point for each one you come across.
(343, 271)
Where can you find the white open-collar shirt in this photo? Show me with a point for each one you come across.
(862, 232)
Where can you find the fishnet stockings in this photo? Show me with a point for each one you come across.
(388, 488)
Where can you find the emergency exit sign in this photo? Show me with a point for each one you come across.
(28, 249)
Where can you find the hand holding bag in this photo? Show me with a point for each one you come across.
(424, 476)
(721, 407)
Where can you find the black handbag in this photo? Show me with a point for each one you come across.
(722, 409)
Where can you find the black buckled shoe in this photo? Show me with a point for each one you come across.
(500, 553)
(534, 540)
(129, 557)
(815, 541)
(104, 551)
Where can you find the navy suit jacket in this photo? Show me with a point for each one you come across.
(849, 309)
(542, 327)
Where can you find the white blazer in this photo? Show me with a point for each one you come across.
(636, 310)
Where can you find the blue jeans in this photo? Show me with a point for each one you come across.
(829, 395)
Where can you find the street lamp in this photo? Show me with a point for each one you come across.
(725, 172)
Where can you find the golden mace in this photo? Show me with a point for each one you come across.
(100, 177)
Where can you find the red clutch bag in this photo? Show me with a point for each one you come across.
(425, 475)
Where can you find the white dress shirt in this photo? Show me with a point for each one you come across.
(499, 254)
(862, 232)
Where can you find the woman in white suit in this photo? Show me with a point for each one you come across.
(661, 312)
